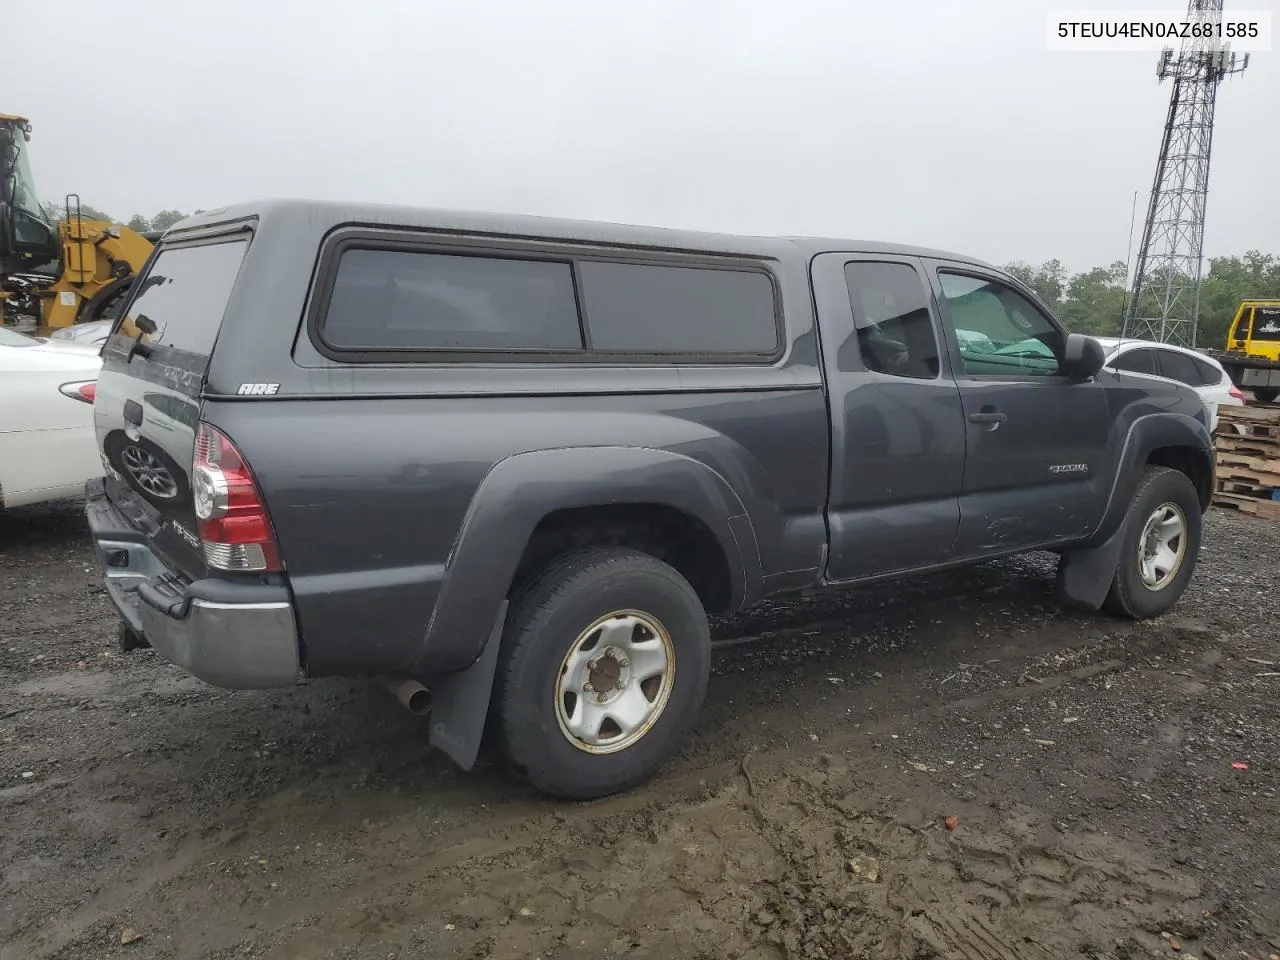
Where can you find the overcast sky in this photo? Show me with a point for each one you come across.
(941, 122)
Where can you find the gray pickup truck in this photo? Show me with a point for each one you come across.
(511, 465)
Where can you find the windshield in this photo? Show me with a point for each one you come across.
(27, 240)
(22, 186)
(12, 338)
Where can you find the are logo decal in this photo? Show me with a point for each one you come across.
(258, 389)
(1069, 468)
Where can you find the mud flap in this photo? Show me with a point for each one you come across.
(460, 702)
(1085, 575)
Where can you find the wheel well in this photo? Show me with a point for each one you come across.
(673, 536)
(1192, 463)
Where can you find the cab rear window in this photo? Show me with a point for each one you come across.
(185, 294)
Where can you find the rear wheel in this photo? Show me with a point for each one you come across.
(604, 666)
(1266, 394)
(1160, 544)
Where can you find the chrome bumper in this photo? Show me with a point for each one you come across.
(236, 636)
(240, 646)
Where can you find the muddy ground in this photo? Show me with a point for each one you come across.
(1089, 763)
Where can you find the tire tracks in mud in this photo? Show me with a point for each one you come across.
(382, 863)
(810, 867)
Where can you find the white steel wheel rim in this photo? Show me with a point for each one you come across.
(1162, 546)
(615, 681)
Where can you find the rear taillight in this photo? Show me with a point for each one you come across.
(1236, 392)
(84, 391)
(230, 513)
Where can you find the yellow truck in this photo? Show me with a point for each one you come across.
(1252, 356)
(93, 262)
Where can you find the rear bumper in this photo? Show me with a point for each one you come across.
(232, 635)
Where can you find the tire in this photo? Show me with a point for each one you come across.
(1266, 394)
(102, 304)
(174, 499)
(551, 631)
(1160, 489)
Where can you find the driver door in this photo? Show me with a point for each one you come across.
(1037, 462)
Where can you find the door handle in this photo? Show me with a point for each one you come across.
(989, 417)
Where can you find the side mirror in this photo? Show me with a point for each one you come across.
(1083, 357)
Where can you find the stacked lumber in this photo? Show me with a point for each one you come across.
(1248, 445)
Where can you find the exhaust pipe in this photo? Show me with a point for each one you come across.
(414, 696)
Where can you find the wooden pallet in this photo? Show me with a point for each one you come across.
(1247, 442)
(1236, 445)
(1240, 489)
(1254, 421)
(1265, 509)
(1259, 459)
(1259, 471)
(1251, 411)
(1253, 429)
(1247, 488)
(1249, 437)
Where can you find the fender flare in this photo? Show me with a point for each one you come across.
(1085, 572)
(460, 650)
(519, 491)
(1148, 433)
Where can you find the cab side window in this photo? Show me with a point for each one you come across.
(999, 332)
(891, 313)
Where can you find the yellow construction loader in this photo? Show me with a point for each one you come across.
(57, 274)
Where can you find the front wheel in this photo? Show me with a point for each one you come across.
(1266, 394)
(603, 669)
(1160, 544)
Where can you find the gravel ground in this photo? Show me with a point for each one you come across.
(1092, 768)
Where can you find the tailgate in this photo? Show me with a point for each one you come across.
(148, 396)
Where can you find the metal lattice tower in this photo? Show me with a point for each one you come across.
(1165, 305)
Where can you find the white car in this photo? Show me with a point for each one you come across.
(47, 445)
(1151, 359)
(95, 331)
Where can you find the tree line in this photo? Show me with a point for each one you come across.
(1094, 301)
(163, 220)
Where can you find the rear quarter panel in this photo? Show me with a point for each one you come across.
(368, 496)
